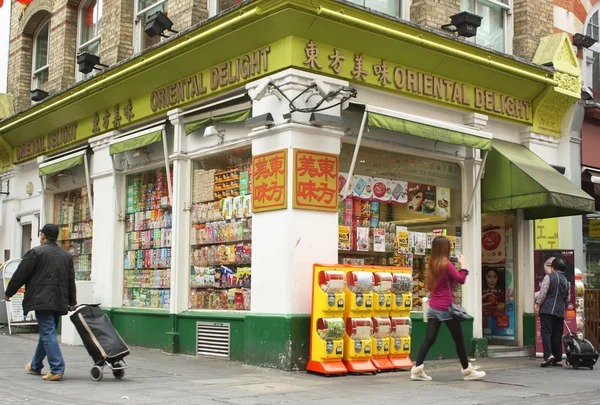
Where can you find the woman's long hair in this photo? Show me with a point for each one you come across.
(440, 253)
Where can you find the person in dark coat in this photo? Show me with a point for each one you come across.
(49, 278)
(550, 305)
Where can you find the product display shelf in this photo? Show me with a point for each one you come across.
(232, 242)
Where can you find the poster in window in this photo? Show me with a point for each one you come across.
(382, 190)
(415, 197)
(399, 192)
(493, 292)
(493, 243)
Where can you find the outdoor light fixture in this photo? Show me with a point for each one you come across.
(38, 94)
(87, 62)
(140, 151)
(212, 131)
(465, 24)
(584, 41)
(263, 120)
(157, 24)
(325, 120)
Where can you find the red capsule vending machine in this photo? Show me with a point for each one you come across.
(400, 342)
(359, 326)
(327, 323)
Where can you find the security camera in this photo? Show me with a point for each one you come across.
(323, 89)
(587, 94)
(261, 90)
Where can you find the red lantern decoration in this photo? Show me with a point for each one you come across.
(25, 2)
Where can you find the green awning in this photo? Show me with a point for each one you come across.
(135, 141)
(229, 118)
(69, 163)
(466, 137)
(516, 178)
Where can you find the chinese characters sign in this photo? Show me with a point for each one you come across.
(315, 180)
(386, 74)
(269, 173)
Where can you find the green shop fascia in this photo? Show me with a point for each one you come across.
(261, 38)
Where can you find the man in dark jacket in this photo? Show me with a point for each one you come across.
(49, 279)
(550, 305)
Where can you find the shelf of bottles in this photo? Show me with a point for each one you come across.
(147, 253)
(221, 239)
(72, 216)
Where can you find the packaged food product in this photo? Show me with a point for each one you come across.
(360, 281)
(402, 283)
(330, 328)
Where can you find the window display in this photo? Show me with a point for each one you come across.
(395, 205)
(72, 216)
(147, 257)
(221, 235)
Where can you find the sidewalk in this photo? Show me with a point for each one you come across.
(156, 377)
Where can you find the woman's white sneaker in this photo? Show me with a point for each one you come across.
(417, 373)
(471, 373)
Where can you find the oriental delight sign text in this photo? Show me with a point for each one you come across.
(269, 176)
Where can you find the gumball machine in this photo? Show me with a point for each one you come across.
(400, 342)
(402, 293)
(382, 294)
(381, 343)
(359, 294)
(327, 323)
(357, 345)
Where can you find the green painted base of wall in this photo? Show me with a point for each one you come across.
(443, 347)
(143, 327)
(479, 347)
(529, 329)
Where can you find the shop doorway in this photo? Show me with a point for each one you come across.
(25, 238)
(498, 281)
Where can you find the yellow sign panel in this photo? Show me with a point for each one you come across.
(384, 74)
(269, 174)
(595, 228)
(546, 233)
(315, 180)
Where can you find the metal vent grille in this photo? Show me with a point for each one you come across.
(212, 339)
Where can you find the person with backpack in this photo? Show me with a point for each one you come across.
(440, 281)
(550, 305)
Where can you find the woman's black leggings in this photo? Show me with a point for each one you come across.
(433, 327)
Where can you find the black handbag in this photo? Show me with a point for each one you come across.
(456, 311)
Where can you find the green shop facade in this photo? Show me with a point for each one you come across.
(148, 169)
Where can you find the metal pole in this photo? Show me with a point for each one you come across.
(88, 184)
(355, 156)
(467, 215)
(167, 167)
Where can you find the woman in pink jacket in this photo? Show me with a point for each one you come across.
(441, 279)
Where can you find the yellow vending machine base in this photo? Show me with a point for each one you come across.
(327, 368)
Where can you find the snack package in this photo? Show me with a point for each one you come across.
(382, 190)
(363, 187)
(429, 200)
(247, 206)
(238, 211)
(362, 239)
(442, 202)
(399, 192)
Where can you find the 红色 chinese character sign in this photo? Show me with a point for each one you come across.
(269, 172)
(315, 180)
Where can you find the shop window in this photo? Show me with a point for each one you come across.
(217, 6)
(90, 23)
(494, 27)
(391, 7)
(592, 57)
(145, 8)
(221, 233)
(41, 65)
(591, 238)
(72, 216)
(395, 206)
(147, 258)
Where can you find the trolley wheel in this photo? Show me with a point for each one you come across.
(575, 367)
(591, 367)
(118, 374)
(96, 372)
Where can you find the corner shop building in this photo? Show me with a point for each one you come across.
(429, 110)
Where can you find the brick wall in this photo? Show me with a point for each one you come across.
(532, 21)
(185, 13)
(63, 46)
(117, 31)
(433, 13)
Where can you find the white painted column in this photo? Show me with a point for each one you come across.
(471, 243)
(525, 271)
(287, 243)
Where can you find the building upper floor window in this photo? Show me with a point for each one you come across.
(494, 29)
(40, 55)
(395, 8)
(90, 22)
(144, 9)
(216, 6)
(591, 74)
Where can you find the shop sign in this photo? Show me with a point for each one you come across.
(546, 233)
(366, 69)
(594, 228)
(315, 180)
(269, 175)
(50, 141)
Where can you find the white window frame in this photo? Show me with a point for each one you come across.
(139, 27)
(588, 53)
(404, 8)
(35, 72)
(213, 6)
(508, 7)
(96, 39)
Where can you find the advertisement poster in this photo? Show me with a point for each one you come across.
(14, 308)
(443, 202)
(493, 239)
(493, 291)
(543, 265)
(416, 195)
(344, 238)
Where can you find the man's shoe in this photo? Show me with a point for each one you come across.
(32, 371)
(417, 373)
(52, 377)
(472, 374)
(547, 362)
